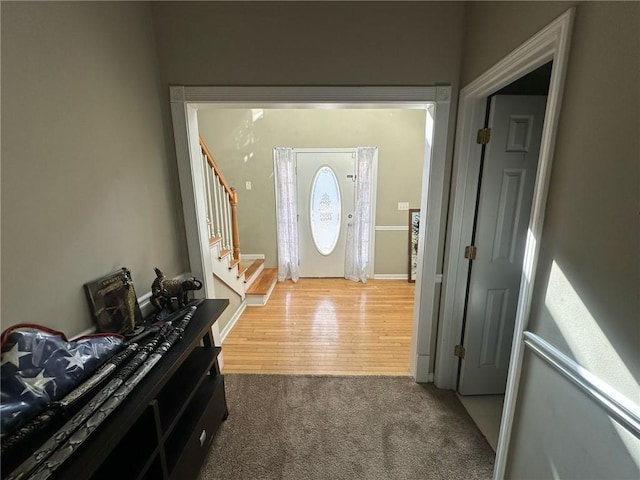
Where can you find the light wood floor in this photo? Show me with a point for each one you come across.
(325, 326)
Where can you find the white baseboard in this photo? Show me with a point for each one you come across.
(252, 256)
(392, 228)
(232, 322)
(390, 276)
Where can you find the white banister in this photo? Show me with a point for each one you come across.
(221, 205)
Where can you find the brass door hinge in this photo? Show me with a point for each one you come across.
(484, 135)
(470, 252)
(459, 351)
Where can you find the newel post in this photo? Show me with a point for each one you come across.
(234, 224)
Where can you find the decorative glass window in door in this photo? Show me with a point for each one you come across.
(325, 210)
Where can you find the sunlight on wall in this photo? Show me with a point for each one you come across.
(590, 346)
(256, 114)
(554, 469)
(631, 443)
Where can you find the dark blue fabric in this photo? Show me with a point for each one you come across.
(40, 366)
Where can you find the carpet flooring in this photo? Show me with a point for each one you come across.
(315, 427)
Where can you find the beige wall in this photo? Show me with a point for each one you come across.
(87, 186)
(223, 291)
(242, 143)
(586, 299)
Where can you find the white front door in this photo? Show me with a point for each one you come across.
(504, 207)
(326, 198)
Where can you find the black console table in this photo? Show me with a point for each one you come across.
(164, 428)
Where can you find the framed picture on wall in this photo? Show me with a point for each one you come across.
(414, 227)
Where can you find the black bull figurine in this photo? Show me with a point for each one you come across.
(163, 291)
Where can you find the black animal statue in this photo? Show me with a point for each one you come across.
(163, 291)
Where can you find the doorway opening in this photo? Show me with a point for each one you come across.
(188, 101)
(507, 172)
(316, 201)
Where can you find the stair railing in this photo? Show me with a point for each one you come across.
(222, 203)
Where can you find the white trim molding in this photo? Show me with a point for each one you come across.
(619, 407)
(187, 100)
(392, 228)
(250, 257)
(310, 97)
(232, 322)
(550, 44)
(390, 276)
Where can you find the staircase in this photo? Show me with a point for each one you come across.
(252, 282)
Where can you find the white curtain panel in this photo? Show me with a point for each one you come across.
(356, 260)
(287, 214)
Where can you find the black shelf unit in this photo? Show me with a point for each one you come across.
(164, 428)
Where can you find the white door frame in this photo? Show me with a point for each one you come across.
(551, 43)
(186, 100)
(374, 189)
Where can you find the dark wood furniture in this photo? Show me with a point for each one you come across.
(164, 428)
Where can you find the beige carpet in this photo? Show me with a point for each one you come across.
(313, 427)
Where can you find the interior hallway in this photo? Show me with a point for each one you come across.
(328, 326)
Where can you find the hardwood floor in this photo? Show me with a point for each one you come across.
(325, 326)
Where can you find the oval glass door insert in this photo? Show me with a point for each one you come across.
(325, 210)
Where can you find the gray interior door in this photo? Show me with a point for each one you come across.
(504, 208)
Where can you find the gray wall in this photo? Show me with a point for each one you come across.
(242, 145)
(586, 300)
(87, 186)
(309, 43)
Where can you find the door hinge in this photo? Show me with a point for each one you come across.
(470, 252)
(484, 135)
(459, 351)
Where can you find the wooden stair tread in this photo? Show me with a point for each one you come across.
(252, 268)
(224, 253)
(233, 263)
(214, 240)
(264, 282)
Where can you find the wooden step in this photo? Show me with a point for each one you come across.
(233, 263)
(259, 292)
(264, 282)
(224, 253)
(251, 269)
(214, 240)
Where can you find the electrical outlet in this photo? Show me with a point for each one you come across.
(403, 205)
(247, 185)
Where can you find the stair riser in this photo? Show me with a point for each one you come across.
(222, 271)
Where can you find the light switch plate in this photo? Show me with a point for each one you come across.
(247, 185)
(403, 205)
